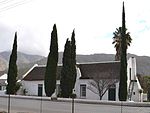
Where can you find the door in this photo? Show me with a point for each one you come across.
(112, 93)
(40, 89)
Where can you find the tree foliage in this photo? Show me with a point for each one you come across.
(73, 59)
(145, 82)
(68, 72)
(146, 86)
(51, 67)
(65, 82)
(12, 70)
(123, 68)
(117, 41)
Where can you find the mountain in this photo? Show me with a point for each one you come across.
(3, 64)
(143, 62)
(26, 61)
(83, 58)
(23, 61)
(22, 57)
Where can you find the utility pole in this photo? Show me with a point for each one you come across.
(73, 97)
(8, 103)
(41, 105)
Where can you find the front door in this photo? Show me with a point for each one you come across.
(112, 93)
(40, 89)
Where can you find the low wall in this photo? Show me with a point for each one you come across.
(84, 101)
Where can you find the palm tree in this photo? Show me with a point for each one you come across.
(117, 42)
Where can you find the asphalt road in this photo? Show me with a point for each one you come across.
(34, 106)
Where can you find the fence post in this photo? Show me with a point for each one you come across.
(8, 103)
(121, 106)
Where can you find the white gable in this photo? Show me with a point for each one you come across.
(3, 76)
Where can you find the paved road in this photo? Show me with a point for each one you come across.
(33, 106)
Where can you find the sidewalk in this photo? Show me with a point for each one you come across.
(84, 101)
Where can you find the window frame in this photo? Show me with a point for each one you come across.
(83, 91)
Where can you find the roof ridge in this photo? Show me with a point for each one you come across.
(45, 65)
(98, 62)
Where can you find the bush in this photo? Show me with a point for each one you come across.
(73, 95)
(18, 85)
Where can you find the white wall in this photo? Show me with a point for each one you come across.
(32, 87)
(136, 96)
(89, 94)
(3, 92)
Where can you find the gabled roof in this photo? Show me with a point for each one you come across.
(38, 72)
(100, 70)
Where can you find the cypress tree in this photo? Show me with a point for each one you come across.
(123, 67)
(73, 59)
(12, 70)
(68, 72)
(51, 67)
(66, 79)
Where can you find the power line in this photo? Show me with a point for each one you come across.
(14, 5)
(5, 2)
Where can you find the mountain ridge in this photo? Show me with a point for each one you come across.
(26, 61)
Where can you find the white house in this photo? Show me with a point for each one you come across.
(102, 75)
(107, 72)
(33, 81)
(3, 78)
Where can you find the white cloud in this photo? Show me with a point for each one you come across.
(94, 22)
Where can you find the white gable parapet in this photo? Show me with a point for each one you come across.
(35, 65)
(132, 68)
(135, 91)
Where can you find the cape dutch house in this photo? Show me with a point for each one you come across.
(33, 81)
(99, 76)
(107, 72)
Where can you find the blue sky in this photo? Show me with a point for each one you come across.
(94, 22)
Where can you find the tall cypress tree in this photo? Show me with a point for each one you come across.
(123, 67)
(51, 67)
(73, 59)
(66, 79)
(68, 72)
(12, 70)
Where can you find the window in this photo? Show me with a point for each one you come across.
(83, 90)
(40, 85)
(3, 88)
(112, 93)
(40, 89)
(130, 74)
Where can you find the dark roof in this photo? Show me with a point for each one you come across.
(102, 70)
(37, 73)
